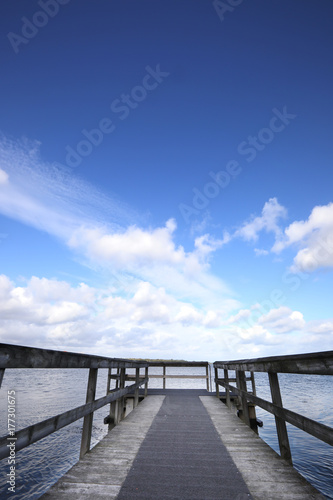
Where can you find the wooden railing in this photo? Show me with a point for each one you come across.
(26, 357)
(174, 364)
(320, 363)
(179, 364)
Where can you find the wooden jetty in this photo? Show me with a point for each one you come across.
(176, 443)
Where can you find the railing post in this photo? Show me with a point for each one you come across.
(117, 379)
(241, 385)
(2, 372)
(217, 387)
(254, 391)
(146, 384)
(207, 375)
(108, 382)
(120, 401)
(112, 404)
(164, 372)
(252, 407)
(281, 427)
(227, 392)
(88, 419)
(137, 380)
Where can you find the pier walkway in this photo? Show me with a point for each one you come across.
(185, 445)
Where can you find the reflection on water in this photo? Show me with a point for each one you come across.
(44, 393)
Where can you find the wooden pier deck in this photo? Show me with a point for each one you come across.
(185, 445)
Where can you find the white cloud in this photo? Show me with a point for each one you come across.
(260, 251)
(282, 320)
(50, 303)
(132, 247)
(271, 213)
(315, 235)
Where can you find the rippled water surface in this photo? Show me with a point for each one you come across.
(44, 393)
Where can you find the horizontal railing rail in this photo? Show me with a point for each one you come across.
(315, 363)
(12, 357)
(320, 363)
(180, 364)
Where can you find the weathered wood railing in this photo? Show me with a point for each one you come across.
(320, 363)
(177, 364)
(25, 357)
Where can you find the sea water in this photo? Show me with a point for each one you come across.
(43, 393)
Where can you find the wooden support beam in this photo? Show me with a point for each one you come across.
(88, 419)
(227, 392)
(254, 391)
(146, 384)
(281, 427)
(241, 384)
(217, 387)
(164, 372)
(136, 393)
(121, 401)
(117, 379)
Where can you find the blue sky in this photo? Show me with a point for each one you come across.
(166, 178)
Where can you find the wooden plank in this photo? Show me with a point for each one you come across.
(35, 432)
(88, 419)
(12, 356)
(317, 363)
(266, 474)
(102, 471)
(281, 427)
(316, 429)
